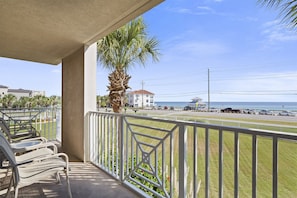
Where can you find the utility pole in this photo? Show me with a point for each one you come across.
(142, 84)
(208, 106)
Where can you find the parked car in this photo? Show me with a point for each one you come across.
(230, 110)
(249, 111)
(186, 108)
(226, 110)
(286, 113)
(265, 112)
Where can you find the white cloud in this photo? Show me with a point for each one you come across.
(199, 11)
(206, 9)
(56, 71)
(275, 32)
(200, 48)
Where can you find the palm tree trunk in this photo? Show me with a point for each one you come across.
(118, 84)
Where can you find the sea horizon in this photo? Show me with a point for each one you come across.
(275, 106)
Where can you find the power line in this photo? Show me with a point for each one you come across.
(257, 92)
(229, 77)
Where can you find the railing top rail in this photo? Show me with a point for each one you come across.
(250, 131)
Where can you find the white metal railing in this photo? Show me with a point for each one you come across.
(165, 158)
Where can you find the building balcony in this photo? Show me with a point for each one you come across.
(134, 156)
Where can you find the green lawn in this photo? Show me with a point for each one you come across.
(46, 129)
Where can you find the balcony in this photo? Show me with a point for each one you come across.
(131, 156)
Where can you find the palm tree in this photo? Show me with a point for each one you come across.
(23, 101)
(53, 101)
(119, 51)
(8, 100)
(41, 101)
(288, 9)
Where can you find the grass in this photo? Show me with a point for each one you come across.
(287, 166)
(47, 129)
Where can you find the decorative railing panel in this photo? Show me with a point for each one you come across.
(165, 158)
(45, 122)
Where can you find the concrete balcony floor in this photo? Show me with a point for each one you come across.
(86, 180)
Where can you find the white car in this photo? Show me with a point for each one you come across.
(265, 112)
(286, 113)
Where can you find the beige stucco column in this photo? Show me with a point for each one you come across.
(78, 97)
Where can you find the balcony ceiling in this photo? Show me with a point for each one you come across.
(48, 30)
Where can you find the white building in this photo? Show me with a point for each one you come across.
(196, 104)
(140, 98)
(38, 93)
(4, 90)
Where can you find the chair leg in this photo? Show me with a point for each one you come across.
(9, 187)
(6, 175)
(68, 186)
(66, 171)
(16, 192)
(58, 179)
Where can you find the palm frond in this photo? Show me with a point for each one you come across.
(270, 3)
(288, 9)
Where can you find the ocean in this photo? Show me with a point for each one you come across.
(273, 106)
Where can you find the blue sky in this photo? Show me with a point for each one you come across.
(249, 53)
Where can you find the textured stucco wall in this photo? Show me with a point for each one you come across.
(78, 97)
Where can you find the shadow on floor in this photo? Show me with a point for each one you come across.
(86, 180)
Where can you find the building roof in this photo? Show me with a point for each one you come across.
(2, 86)
(47, 31)
(141, 92)
(19, 91)
(196, 99)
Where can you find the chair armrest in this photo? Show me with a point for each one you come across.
(34, 147)
(8, 165)
(42, 139)
(63, 155)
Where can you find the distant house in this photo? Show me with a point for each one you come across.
(140, 98)
(38, 93)
(4, 90)
(20, 93)
(196, 104)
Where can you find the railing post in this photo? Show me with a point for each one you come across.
(221, 164)
(88, 136)
(275, 168)
(254, 166)
(182, 161)
(206, 162)
(236, 165)
(120, 131)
